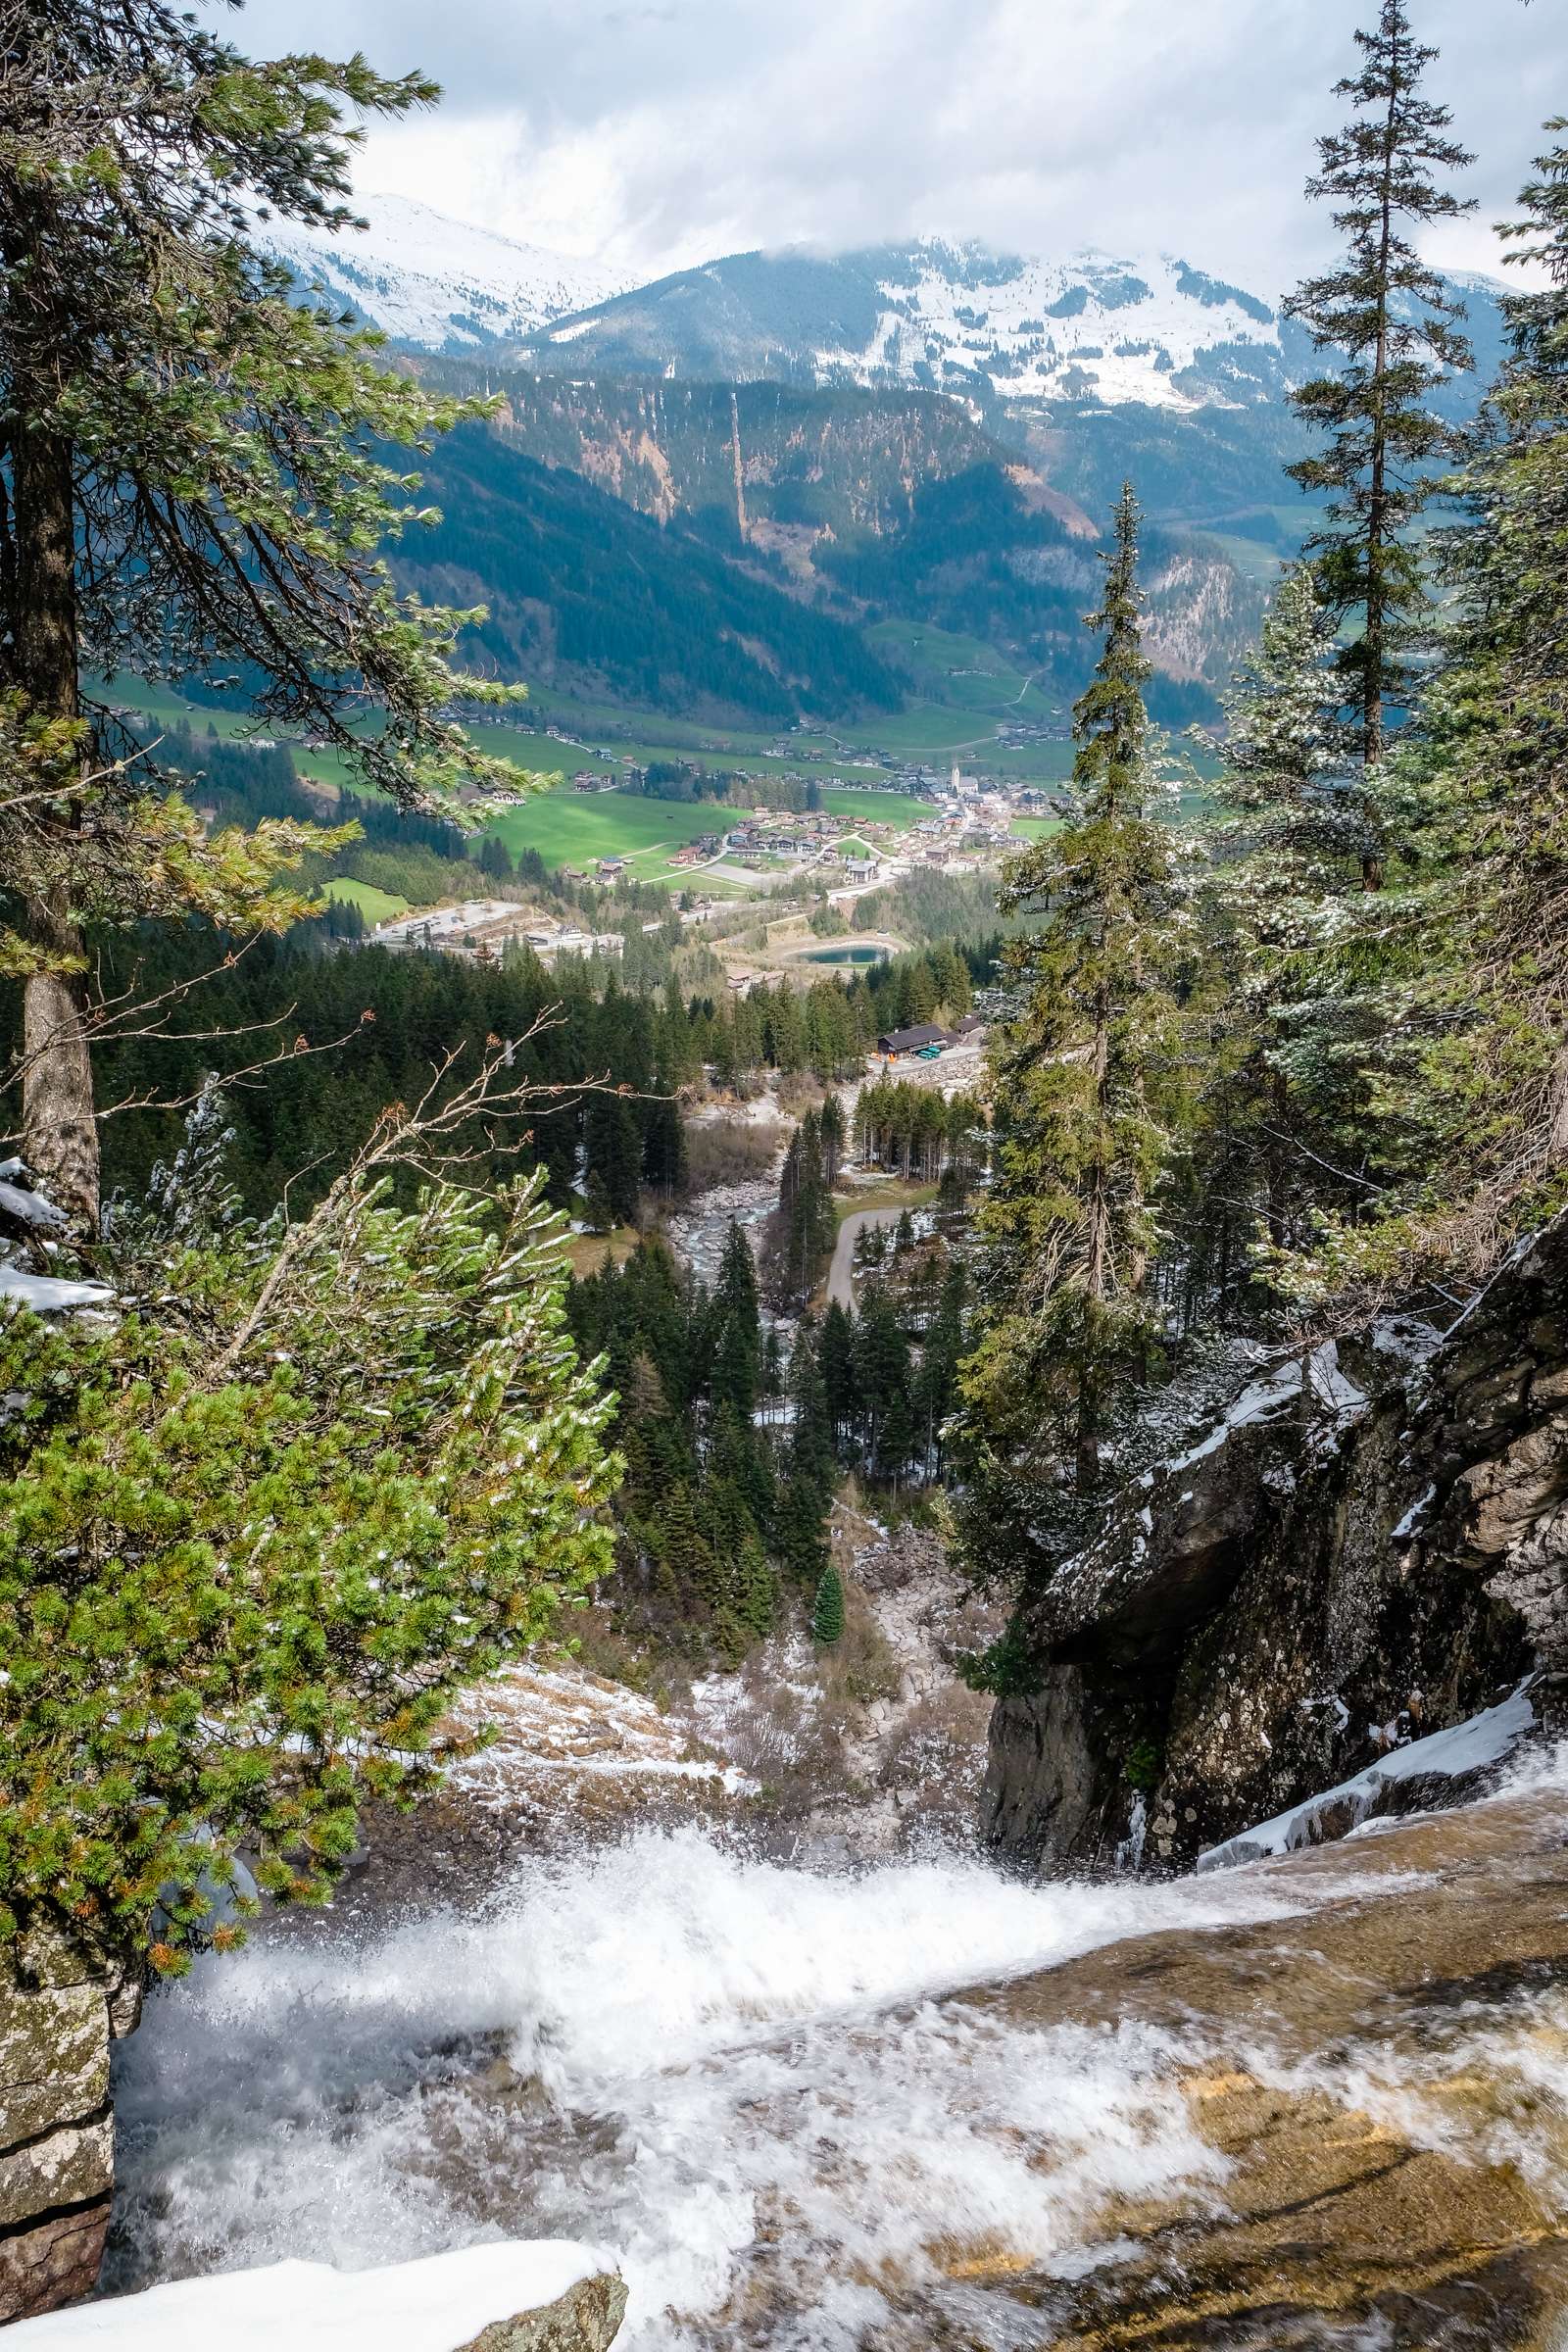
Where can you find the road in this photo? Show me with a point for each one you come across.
(840, 1274)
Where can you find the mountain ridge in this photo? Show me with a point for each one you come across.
(434, 283)
(946, 316)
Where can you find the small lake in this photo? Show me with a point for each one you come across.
(860, 954)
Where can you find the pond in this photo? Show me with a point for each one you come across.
(857, 955)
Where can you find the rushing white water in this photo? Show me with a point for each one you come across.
(749, 2084)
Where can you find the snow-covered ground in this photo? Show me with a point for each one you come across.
(556, 1725)
(429, 280)
(1093, 324)
(429, 2306)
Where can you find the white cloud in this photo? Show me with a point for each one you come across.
(658, 132)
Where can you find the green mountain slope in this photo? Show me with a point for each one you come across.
(585, 593)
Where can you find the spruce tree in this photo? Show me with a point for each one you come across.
(1083, 1072)
(1477, 1066)
(1392, 319)
(827, 1612)
(811, 1448)
(1288, 835)
(836, 1356)
(196, 478)
(737, 1332)
(936, 1392)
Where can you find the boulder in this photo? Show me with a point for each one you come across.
(586, 2319)
(62, 2002)
(1340, 1566)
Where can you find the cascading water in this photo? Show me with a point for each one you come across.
(766, 2095)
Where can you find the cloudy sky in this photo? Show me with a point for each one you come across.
(655, 133)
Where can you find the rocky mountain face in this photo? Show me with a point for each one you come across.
(762, 459)
(1368, 1547)
(885, 504)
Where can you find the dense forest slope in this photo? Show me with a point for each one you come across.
(879, 505)
(583, 591)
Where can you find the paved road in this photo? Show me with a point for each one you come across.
(839, 1282)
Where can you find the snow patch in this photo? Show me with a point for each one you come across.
(31, 1209)
(428, 279)
(46, 1295)
(1465, 1748)
(427, 2306)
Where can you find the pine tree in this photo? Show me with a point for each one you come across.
(831, 1122)
(1476, 1069)
(811, 1448)
(836, 1356)
(883, 1379)
(805, 1226)
(737, 1330)
(937, 1383)
(1392, 318)
(1083, 1072)
(614, 1156)
(827, 1612)
(195, 476)
(344, 1387)
(1290, 834)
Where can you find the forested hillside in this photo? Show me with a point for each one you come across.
(583, 591)
(980, 558)
(845, 460)
(872, 504)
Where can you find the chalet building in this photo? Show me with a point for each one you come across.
(893, 1041)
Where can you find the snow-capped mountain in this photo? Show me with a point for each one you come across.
(1092, 326)
(440, 283)
(952, 318)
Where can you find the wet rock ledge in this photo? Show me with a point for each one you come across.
(61, 2005)
(1370, 1546)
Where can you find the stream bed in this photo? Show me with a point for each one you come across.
(1321, 2101)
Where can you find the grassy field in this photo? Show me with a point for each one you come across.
(875, 807)
(585, 1252)
(573, 828)
(890, 1192)
(376, 906)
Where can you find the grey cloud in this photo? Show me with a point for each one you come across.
(674, 128)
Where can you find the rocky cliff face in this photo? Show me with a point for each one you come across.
(1370, 1546)
(61, 2005)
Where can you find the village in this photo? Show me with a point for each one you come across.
(966, 826)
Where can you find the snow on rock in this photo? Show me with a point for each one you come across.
(47, 1294)
(428, 279)
(1464, 1749)
(1092, 325)
(562, 1726)
(436, 2304)
(31, 1209)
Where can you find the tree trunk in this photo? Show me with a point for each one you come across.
(58, 1130)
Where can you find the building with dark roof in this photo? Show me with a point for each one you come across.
(909, 1040)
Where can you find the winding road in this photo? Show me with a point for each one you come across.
(840, 1274)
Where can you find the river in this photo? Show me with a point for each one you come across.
(1322, 2101)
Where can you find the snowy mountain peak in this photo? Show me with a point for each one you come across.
(441, 283)
(1095, 325)
(950, 316)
